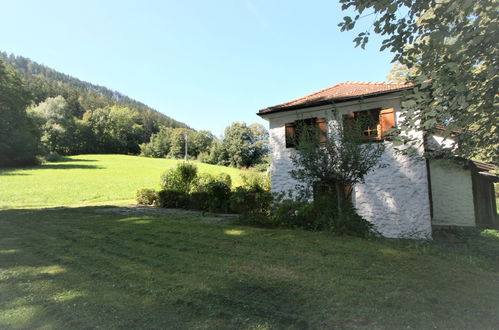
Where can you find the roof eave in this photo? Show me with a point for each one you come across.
(326, 102)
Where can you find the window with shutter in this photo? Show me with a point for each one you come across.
(373, 124)
(293, 130)
(290, 135)
(322, 126)
(387, 121)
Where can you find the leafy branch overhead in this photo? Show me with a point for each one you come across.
(450, 48)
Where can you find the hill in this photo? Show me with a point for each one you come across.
(89, 179)
(43, 82)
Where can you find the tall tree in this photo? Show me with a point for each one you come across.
(18, 134)
(242, 145)
(55, 120)
(177, 142)
(201, 142)
(453, 46)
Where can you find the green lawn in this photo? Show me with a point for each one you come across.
(88, 179)
(87, 267)
(83, 265)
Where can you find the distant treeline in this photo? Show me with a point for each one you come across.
(43, 111)
(241, 145)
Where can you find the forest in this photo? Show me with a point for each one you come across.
(45, 113)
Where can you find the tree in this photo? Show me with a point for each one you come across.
(399, 73)
(55, 120)
(341, 160)
(452, 45)
(177, 142)
(201, 141)
(116, 129)
(242, 145)
(18, 134)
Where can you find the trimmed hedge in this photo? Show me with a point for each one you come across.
(199, 201)
(173, 199)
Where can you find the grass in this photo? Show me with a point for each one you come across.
(88, 179)
(100, 266)
(88, 267)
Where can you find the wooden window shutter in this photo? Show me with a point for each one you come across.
(322, 125)
(386, 121)
(290, 135)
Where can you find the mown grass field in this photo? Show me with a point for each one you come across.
(107, 267)
(88, 267)
(88, 179)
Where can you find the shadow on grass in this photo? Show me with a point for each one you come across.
(64, 163)
(79, 160)
(87, 267)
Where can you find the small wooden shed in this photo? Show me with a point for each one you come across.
(462, 193)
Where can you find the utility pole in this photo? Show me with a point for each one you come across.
(185, 156)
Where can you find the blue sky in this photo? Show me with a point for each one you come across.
(206, 63)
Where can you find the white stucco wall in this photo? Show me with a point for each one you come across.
(394, 198)
(452, 194)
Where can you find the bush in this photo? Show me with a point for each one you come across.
(146, 196)
(246, 202)
(225, 178)
(255, 181)
(219, 195)
(203, 157)
(205, 179)
(289, 213)
(173, 199)
(202, 181)
(199, 201)
(53, 157)
(182, 178)
(261, 167)
(321, 214)
(257, 220)
(146, 150)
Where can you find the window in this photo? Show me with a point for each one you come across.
(293, 130)
(373, 124)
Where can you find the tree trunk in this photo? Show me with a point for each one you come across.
(339, 198)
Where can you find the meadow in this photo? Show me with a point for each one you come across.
(89, 179)
(76, 254)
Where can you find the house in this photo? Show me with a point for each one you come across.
(409, 196)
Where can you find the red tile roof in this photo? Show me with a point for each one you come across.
(340, 92)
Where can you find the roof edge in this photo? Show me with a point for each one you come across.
(275, 109)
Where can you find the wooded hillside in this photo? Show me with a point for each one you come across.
(44, 82)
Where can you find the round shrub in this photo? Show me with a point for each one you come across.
(146, 196)
(173, 199)
(182, 178)
(202, 182)
(53, 157)
(219, 194)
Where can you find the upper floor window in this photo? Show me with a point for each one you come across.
(373, 124)
(294, 129)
